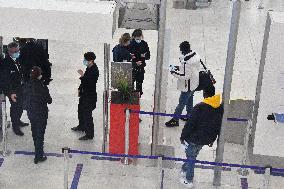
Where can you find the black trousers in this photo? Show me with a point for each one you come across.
(38, 126)
(85, 114)
(137, 79)
(16, 110)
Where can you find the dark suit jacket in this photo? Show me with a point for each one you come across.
(13, 76)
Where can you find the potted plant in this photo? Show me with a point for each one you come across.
(121, 99)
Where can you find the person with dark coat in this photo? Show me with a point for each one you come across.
(14, 87)
(33, 54)
(201, 129)
(37, 99)
(140, 52)
(88, 96)
(121, 52)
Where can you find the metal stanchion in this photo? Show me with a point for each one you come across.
(65, 151)
(160, 173)
(5, 151)
(105, 95)
(267, 173)
(127, 160)
(244, 171)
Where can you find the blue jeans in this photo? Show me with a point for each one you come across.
(185, 99)
(191, 151)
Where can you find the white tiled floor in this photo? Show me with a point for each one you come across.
(207, 30)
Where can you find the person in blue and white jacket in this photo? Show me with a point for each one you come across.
(187, 74)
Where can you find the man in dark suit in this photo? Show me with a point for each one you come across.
(88, 96)
(14, 87)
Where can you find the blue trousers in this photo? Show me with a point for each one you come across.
(185, 99)
(191, 151)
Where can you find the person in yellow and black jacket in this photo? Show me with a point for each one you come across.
(201, 129)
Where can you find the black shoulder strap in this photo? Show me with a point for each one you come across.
(203, 65)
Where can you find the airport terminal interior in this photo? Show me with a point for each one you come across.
(71, 28)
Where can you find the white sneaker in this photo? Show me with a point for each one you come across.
(187, 184)
(182, 173)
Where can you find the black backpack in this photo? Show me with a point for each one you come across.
(206, 79)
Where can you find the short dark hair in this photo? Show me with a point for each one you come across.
(209, 91)
(90, 56)
(35, 72)
(137, 33)
(184, 47)
(12, 45)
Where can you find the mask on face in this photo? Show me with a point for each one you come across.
(85, 62)
(15, 55)
(138, 40)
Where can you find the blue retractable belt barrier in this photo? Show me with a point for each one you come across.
(179, 116)
(177, 159)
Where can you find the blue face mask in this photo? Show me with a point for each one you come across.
(85, 62)
(138, 40)
(16, 55)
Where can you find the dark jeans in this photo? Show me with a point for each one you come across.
(192, 150)
(138, 78)
(85, 116)
(16, 110)
(38, 127)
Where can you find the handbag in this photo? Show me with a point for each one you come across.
(206, 79)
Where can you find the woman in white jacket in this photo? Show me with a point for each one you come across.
(187, 74)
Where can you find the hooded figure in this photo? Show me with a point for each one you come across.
(201, 129)
(37, 99)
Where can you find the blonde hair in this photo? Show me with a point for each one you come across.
(124, 38)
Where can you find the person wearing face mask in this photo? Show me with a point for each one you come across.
(37, 97)
(187, 74)
(87, 96)
(14, 87)
(121, 52)
(140, 52)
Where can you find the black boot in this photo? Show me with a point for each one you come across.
(78, 128)
(42, 159)
(172, 123)
(18, 132)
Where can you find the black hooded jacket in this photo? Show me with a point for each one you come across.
(204, 123)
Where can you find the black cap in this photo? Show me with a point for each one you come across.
(90, 56)
(184, 47)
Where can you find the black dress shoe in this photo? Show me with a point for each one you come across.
(22, 124)
(172, 123)
(86, 138)
(184, 119)
(78, 128)
(18, 132)
(42, 159)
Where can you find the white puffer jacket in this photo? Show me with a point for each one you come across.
(188, 72)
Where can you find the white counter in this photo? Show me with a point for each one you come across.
(269, 136)
(58, 20)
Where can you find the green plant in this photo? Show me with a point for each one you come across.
(125, 89)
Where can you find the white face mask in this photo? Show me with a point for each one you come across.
(138, 40)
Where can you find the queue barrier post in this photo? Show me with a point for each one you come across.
(65, 152)
(126, 160)
(5, 152)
